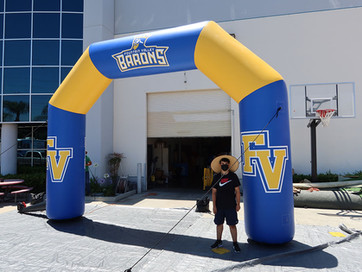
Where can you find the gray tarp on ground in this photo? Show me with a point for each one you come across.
(113, 238)
(328, 199)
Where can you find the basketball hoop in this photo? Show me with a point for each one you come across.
(325, 116)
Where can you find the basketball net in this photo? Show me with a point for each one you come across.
(325, 116)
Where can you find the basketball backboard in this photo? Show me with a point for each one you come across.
(306, 99)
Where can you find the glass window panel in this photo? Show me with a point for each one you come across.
(1, 5)
(16, 80)
(17, 25)
(46, 25)
(45, 80)
(24, 132)
(24, 139)
(45, 52)
(16, 108)
(72, 5)
(46, 5)
(31, 137)
(17, 53)
(1, 24)
(40, 134)
(71, 51)
(18, 5)
(39, 107)
(1, 52)
(1, 81)
(72, 26)
(65, 72)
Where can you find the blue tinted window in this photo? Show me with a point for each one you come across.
(65, 71)
(16, 108)
(1, 24)
(44, 80)
(1, 55)
(72, 5)
(71, 51)
(17, 53)
(17, 25)
(45, 52)
(72, 26)
(47, 5)
(18, 5)
(16, 80)
(39, 107)
(1, 81)
(1, 5)
(46, 25)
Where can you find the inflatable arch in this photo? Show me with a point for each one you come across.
(257, 87)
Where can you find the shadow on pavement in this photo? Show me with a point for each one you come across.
(198, 246)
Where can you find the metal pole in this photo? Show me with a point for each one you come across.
(139, 176)
(313, 123)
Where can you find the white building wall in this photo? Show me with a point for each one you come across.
(145, 15)
(99, 26)
(130, 111)
(318, 47)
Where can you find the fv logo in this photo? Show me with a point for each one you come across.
(57, 159)
(260, 157)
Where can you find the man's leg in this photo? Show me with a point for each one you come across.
(218, 242)
(234, 233)
(219, 221)
(219, 229)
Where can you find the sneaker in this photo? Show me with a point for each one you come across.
(218, 243)
(236, 247)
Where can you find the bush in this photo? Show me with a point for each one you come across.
(299, 178)
(355, 176)
(106, 188)
(326, 177)
(33, 177)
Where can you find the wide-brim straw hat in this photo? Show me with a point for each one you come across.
(216, 167)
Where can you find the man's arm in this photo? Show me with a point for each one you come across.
(237, 197)
(214, 200)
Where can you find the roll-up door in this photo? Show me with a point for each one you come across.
(188, 114)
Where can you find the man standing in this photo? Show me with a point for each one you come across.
(88, 163)
(226, 197)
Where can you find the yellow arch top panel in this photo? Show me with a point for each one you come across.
(229, 64)
(81, 88)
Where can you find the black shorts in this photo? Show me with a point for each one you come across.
(230, 214)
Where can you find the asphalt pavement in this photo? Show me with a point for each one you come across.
(139, 233)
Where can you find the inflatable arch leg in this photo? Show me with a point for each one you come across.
(257, 87)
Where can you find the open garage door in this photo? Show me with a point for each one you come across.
(203, 113)
(180, 162)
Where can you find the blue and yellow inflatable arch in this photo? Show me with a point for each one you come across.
(257, 87)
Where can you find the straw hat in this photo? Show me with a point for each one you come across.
(216, 167)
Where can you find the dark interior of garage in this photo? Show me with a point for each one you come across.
(180, 162)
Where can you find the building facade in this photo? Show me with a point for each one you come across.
(40, 43)
(173, 124)
(313, 45)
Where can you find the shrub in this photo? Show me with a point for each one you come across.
(326, 177)
(33, 177)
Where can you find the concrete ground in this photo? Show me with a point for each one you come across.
(114, 236)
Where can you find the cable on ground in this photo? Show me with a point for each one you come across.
(157, 243)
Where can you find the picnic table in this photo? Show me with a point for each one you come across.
(13, 187)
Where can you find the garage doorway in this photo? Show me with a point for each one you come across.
(180, 162)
